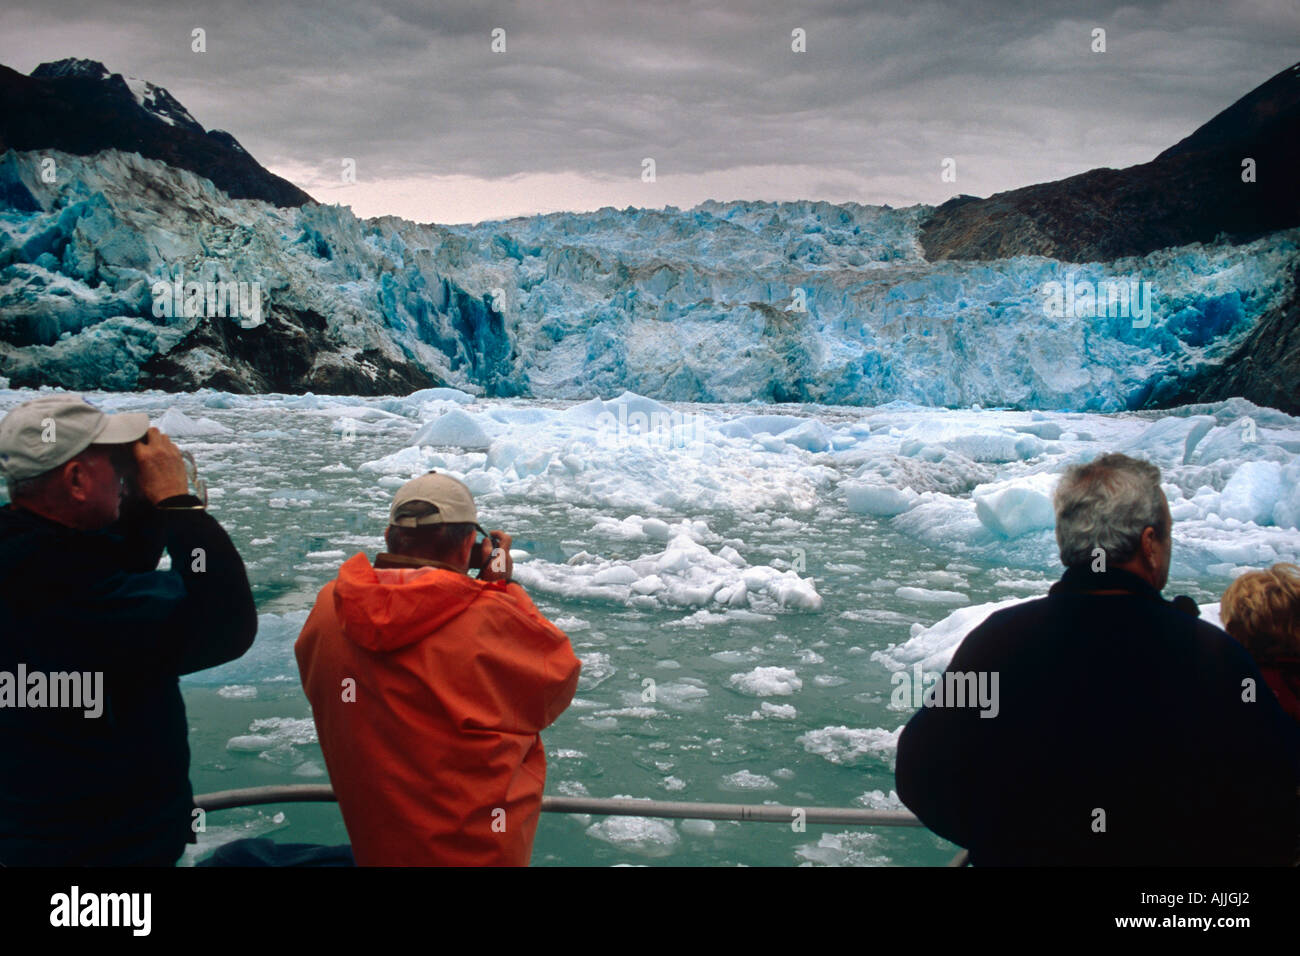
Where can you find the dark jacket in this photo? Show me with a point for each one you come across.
(1282, 674)
(111, 790)
(1118, 703)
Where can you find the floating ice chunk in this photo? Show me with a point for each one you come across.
(339, 469)
(1286, 513)
(846, 746)
(642, 713)
(657, 530)
(274, 739)
(415, 399)
(502, 454)
(177, 424)
(777, 711)
(744, 780)
(409, 461)
(618, 574)
(521, 416)
(697, 827)
(643, 835)
(767, 682)
(455, 429)
(934, 646)
(882, 500)
(652, 584)
(1048, 431)
(681, 694)
(1170, 440)
(480, 483)
(928, 596)
(634, 404)
(237, 692)
(943, 471)
(1237, 441)
(747, 426)
(587, 413)
(596, 669)
(812, 435)
(684, 574)
(879, 800)
(979, 443)
(269, 659)
(1015, 507)
(1253, 492)
(850, 848)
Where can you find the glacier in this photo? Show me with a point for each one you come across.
(805, 302)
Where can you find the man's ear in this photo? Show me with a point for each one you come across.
(1150, 545)
(76, 479)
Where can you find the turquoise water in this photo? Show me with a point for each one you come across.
(285, 483)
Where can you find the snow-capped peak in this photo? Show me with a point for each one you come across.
(157, 101)
(151, 98)
(72, 67)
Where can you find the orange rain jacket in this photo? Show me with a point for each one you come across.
(434, 752)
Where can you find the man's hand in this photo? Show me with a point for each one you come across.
(160, 468)
(495, 565)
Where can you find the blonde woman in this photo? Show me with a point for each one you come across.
(1261, 609)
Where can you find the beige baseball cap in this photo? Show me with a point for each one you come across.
(46, 432)
(432, 499)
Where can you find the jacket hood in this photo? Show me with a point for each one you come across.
(387, 609)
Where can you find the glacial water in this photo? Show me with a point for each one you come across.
(769, 575)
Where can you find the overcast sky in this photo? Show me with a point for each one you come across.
(443, 129)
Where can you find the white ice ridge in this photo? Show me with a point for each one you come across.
(968, 481)
(684, 574)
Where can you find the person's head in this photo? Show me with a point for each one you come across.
(1261, 609)
(433, 517)
(60, 457)
(1115, 503)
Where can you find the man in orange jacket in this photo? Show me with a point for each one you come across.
(430, 688)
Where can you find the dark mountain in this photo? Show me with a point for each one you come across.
(79, 107)
(1192, 192)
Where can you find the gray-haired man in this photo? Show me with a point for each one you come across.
(81, 596)
(1128, 732)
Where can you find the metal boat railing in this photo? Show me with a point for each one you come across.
(765, 813)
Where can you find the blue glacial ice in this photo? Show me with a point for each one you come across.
(725, 302)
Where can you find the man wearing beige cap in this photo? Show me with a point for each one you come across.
(430, 689)
(94, 500)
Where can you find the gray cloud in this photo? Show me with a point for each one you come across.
(1010, 90)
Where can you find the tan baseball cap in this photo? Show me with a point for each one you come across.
(432, 499)
(46, 432)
